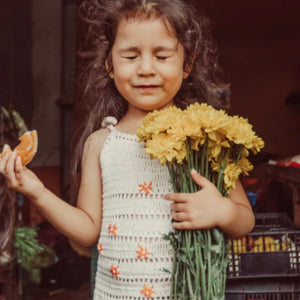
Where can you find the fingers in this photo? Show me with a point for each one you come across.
(11, 166)
(179, 206)
(186, 225)
(19, 166)
(6, 162)
(3, 163)
(200, 180)
(179, 216)
(176, 197)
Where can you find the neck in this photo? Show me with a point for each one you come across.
(132, 120)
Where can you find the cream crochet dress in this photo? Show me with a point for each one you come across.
(132, 253)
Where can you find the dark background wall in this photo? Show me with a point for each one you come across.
(15, 55)
(259, 46)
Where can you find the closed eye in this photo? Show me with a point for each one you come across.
(161, 57)
(130, 57)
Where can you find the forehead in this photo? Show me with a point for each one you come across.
(142, 28)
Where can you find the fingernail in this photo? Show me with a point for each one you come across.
(193, 171)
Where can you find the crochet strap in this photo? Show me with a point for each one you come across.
(109, 122)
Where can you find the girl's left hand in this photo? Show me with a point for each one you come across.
(206, 208)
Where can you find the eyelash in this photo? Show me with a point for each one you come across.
(158, 57)
(161, 57)
(131, 57)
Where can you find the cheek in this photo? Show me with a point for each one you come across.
(123, 72)
(174, 78)
(173, 72)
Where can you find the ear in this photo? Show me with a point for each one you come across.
(109, 68)
(188, 66)
(186, 71)
(185, 74)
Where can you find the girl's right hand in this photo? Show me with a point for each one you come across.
(20, 178)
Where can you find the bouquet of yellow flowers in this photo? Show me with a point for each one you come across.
(217, 146)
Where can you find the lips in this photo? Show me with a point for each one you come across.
(146, 86)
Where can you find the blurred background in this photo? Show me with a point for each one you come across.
(258, 45)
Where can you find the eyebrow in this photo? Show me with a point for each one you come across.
(156, 49)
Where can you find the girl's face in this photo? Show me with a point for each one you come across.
(147, 64)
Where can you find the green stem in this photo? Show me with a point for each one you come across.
(221, 171)
(197, 262)
(184, 186)
(239, 154)
(183, 281)
(190, 287)
(224, 266)
(175, 281)
(187, 235)
(202, 160)
(208, 243)
(206, 158)
(202, 266)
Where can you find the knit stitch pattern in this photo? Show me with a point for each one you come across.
(133, 256)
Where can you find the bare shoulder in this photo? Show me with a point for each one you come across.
(94, 143)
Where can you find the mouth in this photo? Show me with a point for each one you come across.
(147, 87)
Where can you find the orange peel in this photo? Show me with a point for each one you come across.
(26, 149)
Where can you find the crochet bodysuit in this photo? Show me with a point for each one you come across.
(133, 256)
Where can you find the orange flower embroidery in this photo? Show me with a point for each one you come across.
(145, 188)
(112, 229)
(99, 248)
(114, 270)
(142, 252)
(147, 292)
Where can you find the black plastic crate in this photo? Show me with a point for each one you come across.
(263, 296)
(263, 289)
(271, 250)
(273, 221)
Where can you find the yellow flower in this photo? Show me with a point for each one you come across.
(159, 121)
(245, 165)
(191, 127)
(239, 131)
(207, 117)
(231, 175)
(217, 141)
(142, 132)
(165, 148)
(196, 142)
(215, 166)
(176, 128)
(245, 152)
(257, 144)
(181, 155)
(202, 119)
(214, 149)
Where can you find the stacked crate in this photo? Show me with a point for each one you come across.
(265, 265)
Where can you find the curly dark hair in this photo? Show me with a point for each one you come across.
(99, 97)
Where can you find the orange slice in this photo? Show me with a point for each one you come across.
(26, 148)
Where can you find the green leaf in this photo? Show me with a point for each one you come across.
(216, 248)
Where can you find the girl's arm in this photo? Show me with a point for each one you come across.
(80, 224)
(208, 208)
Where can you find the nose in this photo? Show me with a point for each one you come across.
(146, 66)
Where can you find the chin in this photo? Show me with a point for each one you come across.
(156, 106)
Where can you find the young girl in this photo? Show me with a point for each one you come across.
(150, 54)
